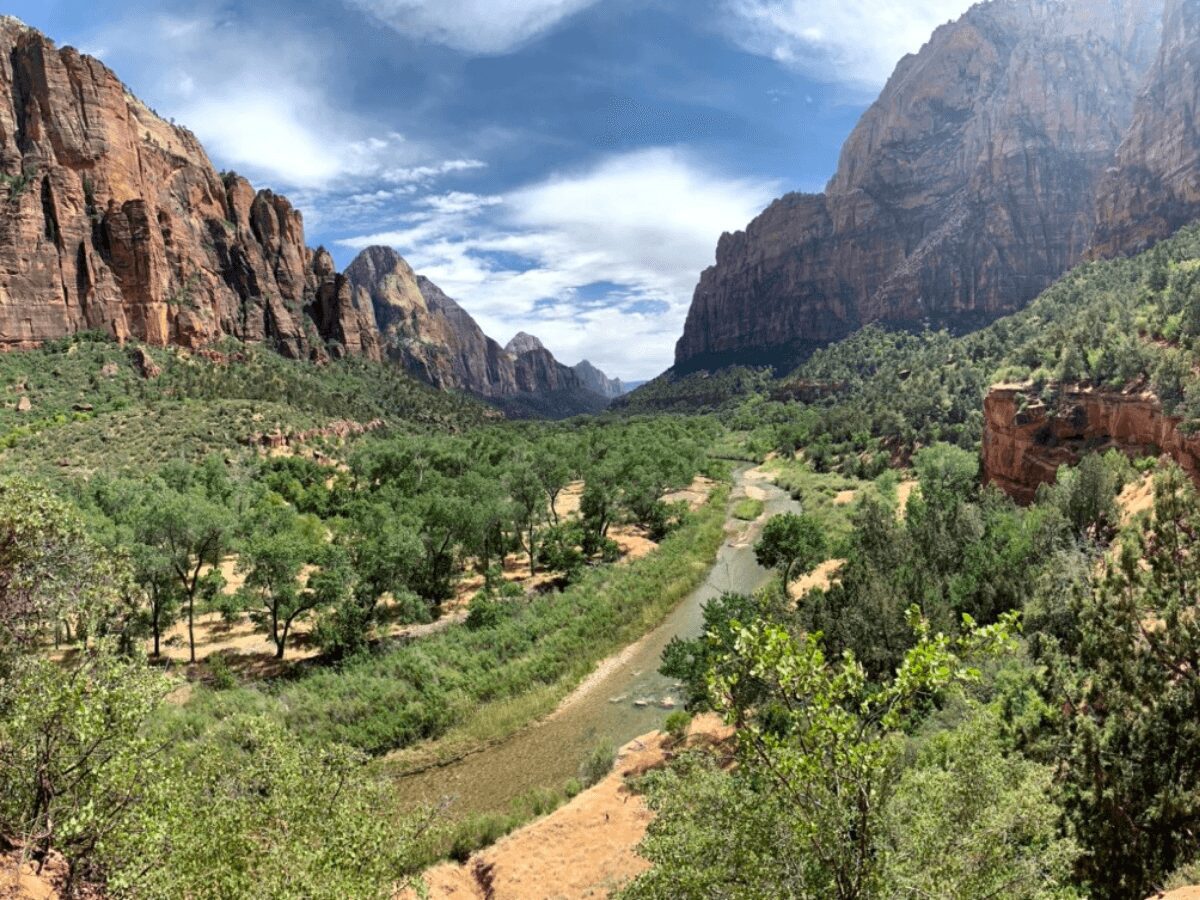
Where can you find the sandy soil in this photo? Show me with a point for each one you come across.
(904, 490)
(845, 498)
(21, 879)
(1184, 893)
(695, 495)
(585, 849)
(820, 577)
(1137, 497)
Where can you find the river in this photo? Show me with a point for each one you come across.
(621, 702)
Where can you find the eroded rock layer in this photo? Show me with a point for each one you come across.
(1025, 441)
(962, 193)
(114, 219)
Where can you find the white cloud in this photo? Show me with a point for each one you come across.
(599, 263)
(853, 41)
(483, 27)
(279, 123)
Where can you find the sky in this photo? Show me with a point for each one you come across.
(562, 167)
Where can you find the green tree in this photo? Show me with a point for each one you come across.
(249, 811)
(803, 814)
(973, 818)
(51, 570)
(193, 533)
(1130, 695)
(273, 558)
(75, 758)
(792, 545)
(529, 508)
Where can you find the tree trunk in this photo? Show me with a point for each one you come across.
(192, 628)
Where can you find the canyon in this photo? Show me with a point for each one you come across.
(971, 183)
(113, 219)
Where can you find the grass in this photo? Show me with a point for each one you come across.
(748, 509)
(819, 493)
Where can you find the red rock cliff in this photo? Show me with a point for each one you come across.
(1154, 188)
(964, 191)
(1025, 441)
(113, 219)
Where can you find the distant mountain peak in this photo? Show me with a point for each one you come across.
(595, 380)
(523, 343)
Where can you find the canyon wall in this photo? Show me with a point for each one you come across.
(965, 190)
(1025, 441)
(113, 219)
(1154, 187)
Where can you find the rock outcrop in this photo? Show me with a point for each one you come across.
(436, 340)
(523, 343)
(963, 192)
(595, 380)
(114, 219)
(1154, 188)
(1025, 441)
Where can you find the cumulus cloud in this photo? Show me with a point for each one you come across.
(278, 123)
(482, 27)
(599, 263)
(853, 41)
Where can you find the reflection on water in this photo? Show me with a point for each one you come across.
(626, 703)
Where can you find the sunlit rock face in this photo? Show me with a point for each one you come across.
(435, 339)
(114, 219)
(966, 189)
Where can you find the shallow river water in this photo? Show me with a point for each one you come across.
(627, 701)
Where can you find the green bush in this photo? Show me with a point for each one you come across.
(598, 764)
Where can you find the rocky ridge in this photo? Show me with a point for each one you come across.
(595, 380)
(964, 191)
(436, 340)
(1154, 187)
(113, 219)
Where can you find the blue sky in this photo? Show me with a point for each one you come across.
(562, 167)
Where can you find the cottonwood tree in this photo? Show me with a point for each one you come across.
(193, 532)
(792, 545)
(529, 509)
(273, 558)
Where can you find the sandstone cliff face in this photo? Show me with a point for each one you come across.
(595, 380)
(114, 219)
(1024, 442)
(1154, 187)
(962, 193)
(436, 340)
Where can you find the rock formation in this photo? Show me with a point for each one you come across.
(595, 380)
(436, 340)
(114, 219)
(1025, 441)
(523, 343)
(1154, 188)
(962, 193)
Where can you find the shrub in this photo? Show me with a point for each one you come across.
(599, 763)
